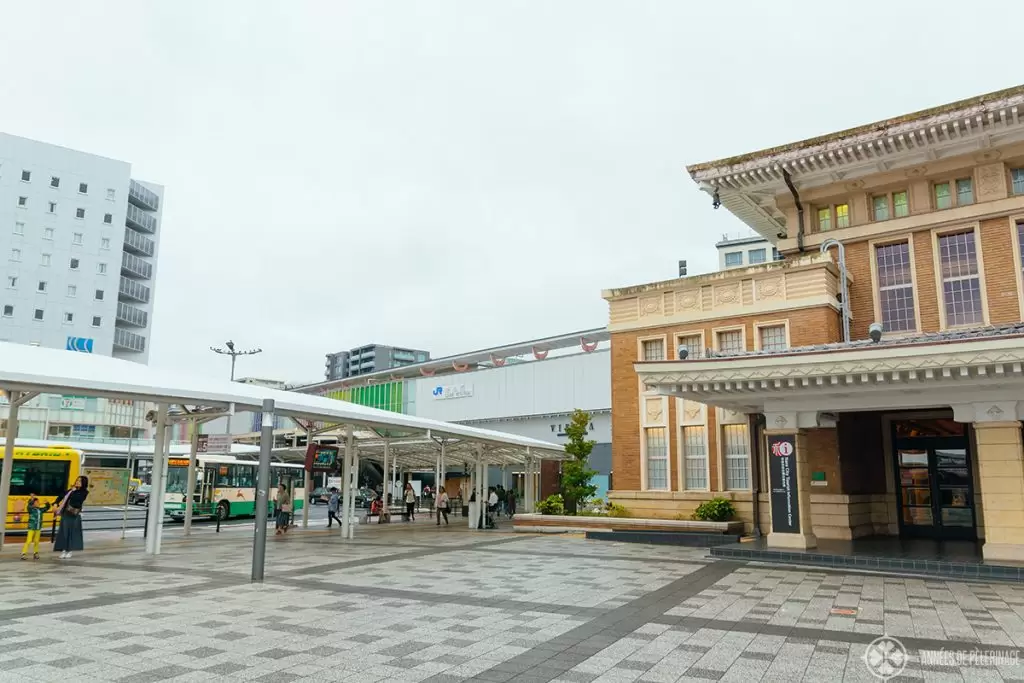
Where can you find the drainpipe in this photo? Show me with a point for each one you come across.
(755, 430)
(799, 211)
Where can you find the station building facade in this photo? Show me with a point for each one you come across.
(913, 433)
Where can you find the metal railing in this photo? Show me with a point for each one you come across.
(130, 289)
(138, 243)
(131, 315)
(133, 265)
(140, 196)
(139, 219)
(129, 341)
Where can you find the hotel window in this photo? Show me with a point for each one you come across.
(108, 218)
(101, 268)
(69, 317)
(733, 259)
(97, 321)
(730, 341)
(26, 176)
(1017, 178)
(111, 193)
(51, 207)
(8, 311)
(12, 282)
(757, 255)
(736, 447)
(23, 202)
(961, 282)
(694, 344)
(695, 457)
(824, 220)
(77, 238)
(44, 259)
(79, 213)
(895, 287)
(73, 264)
(773, 337)
(653, 349)
(38, 314)
(47, 233)
(105, 243)
(657, 457)
(41, 287)
(54, 181)
(15, 254)
(83, 188)
(19, 228)
(72, 290)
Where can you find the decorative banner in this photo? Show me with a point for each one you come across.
(460, 367)
(785, 505)
(427, 373)
(80, 344)
(588, 347)
(214, 443)
(540, 355)
(107, 486)
(498, 362)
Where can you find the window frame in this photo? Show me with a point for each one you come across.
(1009, 172)
(726, 255)
(663, 338)
(80, 213)
(716, 332)
(661, 423)
(954, 194)
(763, 251)
(890, 196)
(684, 456)
(725, 457)
(1017, 259)
(833, 214)
(19, 228)
(876, 299)
(760, 325)
(39, 318)
(936, 233)
(686, 334)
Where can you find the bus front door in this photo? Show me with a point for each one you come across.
(206, 502)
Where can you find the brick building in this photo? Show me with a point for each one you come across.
(915, 434)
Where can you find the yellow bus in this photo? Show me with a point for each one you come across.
(45, 471)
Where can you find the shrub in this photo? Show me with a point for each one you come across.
(715, 510)
(552, 505)
(616, 510)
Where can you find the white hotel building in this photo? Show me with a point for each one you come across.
(79, 241)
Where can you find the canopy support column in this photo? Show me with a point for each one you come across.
(259, 545)
(351, 511)
(385, 494)
(156, 495)
(15, 401)
(190, 487)
(444, 467)
(485, 489)
(346, 482)
(166, 452)
(307, 485)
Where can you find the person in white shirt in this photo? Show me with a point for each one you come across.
(442, 505)
(492, 506)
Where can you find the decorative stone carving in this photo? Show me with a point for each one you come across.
(768, 288)
(916, 171)
(991, 182)
(654, 410)
(988, 156)
(995, 412)
(650, 305)
(855, 185)
(781, 422)
(688, 300)
(727, 295)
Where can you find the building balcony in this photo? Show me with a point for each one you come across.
(143, 198)
(130, 290)
(137, 243)
(140, 220)
(128, 341)
(133, 266)
(130, 315)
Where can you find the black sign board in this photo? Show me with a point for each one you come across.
(782, 477)
(321, 458)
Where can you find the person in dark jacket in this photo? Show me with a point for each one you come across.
(69, 510)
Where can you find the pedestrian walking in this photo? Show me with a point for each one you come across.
(333, 504)
(284, 508)
(35, 525)
(69, 535)
(410, 502)
(510, 503)
(442, 505)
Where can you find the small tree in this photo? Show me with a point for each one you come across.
(576, 472)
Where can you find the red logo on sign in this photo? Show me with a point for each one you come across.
(783, 449)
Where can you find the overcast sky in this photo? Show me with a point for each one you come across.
(452, 175)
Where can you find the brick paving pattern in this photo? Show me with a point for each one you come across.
(416, 604)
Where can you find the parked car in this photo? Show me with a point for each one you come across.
(320, 495)
(140, 496)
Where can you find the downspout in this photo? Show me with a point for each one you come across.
(799, 211)
(756, 433)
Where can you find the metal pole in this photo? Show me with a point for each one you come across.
(386, 484)
(308, 486)
(844, 309)
(156, 494)
(164, 462)
(259, 543)
(190, 487)
(10, 436)
(444, 467)
(346, 482)
(131, 433)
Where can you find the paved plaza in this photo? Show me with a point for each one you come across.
(422, 604)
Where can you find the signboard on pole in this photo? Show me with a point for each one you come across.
(214, 443)
(783, 482)
(321, 458)
(107, 486)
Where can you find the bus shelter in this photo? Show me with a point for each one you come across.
(26, 371)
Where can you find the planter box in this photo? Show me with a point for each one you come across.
(536, 523)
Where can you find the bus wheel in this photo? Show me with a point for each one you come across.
(223, 510)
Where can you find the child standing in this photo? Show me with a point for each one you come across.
(35, 526)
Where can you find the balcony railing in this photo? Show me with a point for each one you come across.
(140, 196)
(137, 243)
(128, 341)
(131, 315)
(133, 266)
(140, 220)
(133, 291)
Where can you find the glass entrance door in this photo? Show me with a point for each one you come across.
(936, 492)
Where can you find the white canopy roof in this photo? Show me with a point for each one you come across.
(31, 368)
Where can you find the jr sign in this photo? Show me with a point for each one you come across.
(782, 475)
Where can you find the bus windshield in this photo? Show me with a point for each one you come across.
(177, 479)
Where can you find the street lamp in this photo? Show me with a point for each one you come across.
(234, 353)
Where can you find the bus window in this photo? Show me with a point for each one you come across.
(177, 479)
(41, 477)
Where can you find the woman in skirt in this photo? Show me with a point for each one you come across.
(69, 535)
